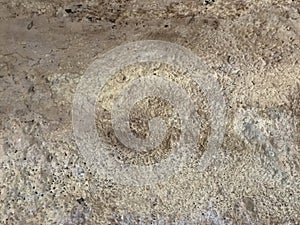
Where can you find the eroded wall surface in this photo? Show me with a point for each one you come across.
(250, 48)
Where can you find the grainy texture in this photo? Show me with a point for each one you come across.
(251, 46)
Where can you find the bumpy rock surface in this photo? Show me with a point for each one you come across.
(252, 48)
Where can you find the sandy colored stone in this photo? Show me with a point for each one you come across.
(252, 47)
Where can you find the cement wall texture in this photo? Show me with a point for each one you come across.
(137, 112)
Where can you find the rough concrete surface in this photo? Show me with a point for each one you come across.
(251, 47)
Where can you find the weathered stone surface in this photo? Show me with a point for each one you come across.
(250, 47)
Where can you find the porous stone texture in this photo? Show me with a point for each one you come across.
(252, 47)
